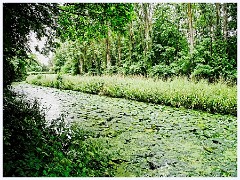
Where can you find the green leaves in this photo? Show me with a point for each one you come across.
(40, 148)
(147, 139)
(214, 98)
(19, 20)
(87, 21)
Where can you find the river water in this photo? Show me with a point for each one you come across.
(151, 140)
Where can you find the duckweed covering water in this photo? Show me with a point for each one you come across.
(147, 139)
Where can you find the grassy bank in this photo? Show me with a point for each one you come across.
(214, 98)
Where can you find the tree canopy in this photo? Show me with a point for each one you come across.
(19, 19)
(161, 39)
(193, 39)
(70, 21)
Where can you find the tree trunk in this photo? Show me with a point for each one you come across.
(147, 9)
(218, 29)
(146, 27)
(131, 40)
(119, 50)
(108, 57)
(84, 59)
(81, 64)
(225, 21)
(178, 27)
(191, 38)
(211, 39)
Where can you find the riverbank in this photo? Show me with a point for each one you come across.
(145, 139)
(36, 145)
(179, 92)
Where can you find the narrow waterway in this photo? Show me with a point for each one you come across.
(147, 139)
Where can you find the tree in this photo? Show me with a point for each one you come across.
(218, 25)
(169, 40)
(108, 56)
(176, 38)
(19, 19)
(85, 22)
(225, 21)
(190, 22)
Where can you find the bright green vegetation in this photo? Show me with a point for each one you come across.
(215, 98)
(158, 40)
(161, 40)
(34, 147)
(144, 139)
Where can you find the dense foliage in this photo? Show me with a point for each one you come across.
(25, 65)
(164, 40)
(215, 98)
(153, 40)
(33, 64)
(18, 21)
(31, 148)
(34, 147)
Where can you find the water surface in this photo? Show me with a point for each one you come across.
(147, 139)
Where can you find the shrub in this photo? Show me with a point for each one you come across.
(135, 69)
(202, 72)
(34, 147)
(111, 70)
(162, 71)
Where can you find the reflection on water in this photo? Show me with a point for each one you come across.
(45, 97)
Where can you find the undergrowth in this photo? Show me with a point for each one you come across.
(178, 92)
(33, 147)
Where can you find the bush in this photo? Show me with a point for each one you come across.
(202, 72)
(111, 70)
(136, 69)
(185, 65)
(162, 71)
(34, 147)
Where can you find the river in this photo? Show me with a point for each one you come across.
(150, 140)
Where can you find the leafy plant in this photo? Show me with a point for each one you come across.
(34, 147)
(215, 98)
(203, 71)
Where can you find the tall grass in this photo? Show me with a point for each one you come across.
(178, 92)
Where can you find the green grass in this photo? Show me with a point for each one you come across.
(178, 92)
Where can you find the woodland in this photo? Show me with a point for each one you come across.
(120, 73)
